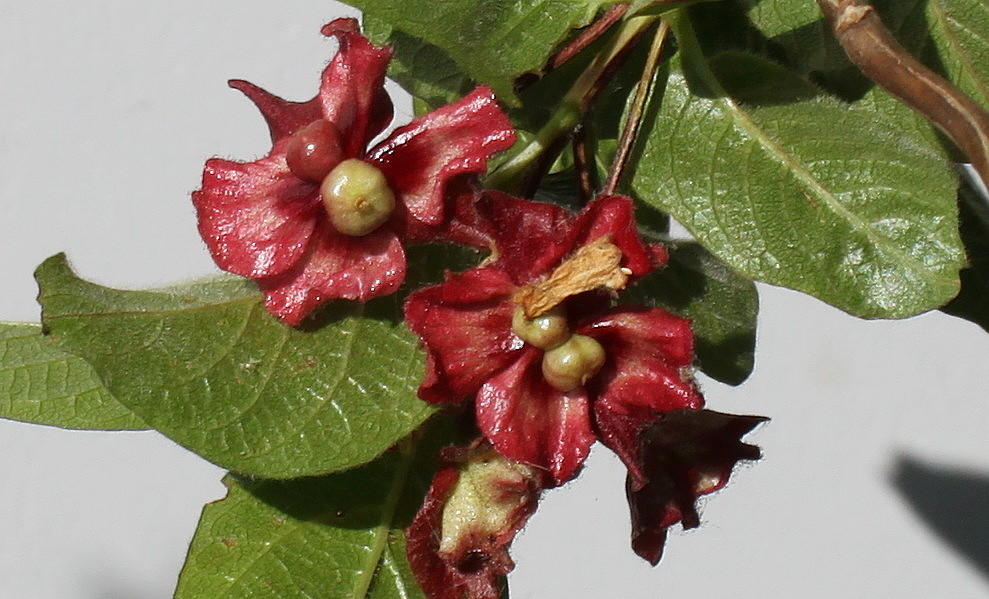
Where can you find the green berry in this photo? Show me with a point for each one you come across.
(546, 331)
(357, 197)
(573, 363)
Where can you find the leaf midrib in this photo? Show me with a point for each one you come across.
(794, 165)
(949, 35)
(362, 584)
(164, 311)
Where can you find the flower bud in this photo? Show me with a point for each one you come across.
(572, 364)
(314, 150)
(357, 197)
(489, 499)
(546, 331)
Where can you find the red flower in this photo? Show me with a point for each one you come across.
(534, 338)
(322, 216)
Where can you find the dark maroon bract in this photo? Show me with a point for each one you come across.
(683, 455)
(323, 215)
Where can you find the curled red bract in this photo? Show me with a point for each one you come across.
(682, 455)
(261, 220)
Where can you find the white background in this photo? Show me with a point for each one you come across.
(108, 110)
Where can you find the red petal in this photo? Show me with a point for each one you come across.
(352, 89)
(463, 194)
(351, 95)
(336, 266)
(614, 215)
(525, 237)
(649, 352)
(256, 218)
(685, 455)
(283, 117)
(466, 326)
(632, 333)
(529, 421)
(530, 239)
(421, 158)
(658, 255)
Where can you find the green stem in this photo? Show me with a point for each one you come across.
(511, 174)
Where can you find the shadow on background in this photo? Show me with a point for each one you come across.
(953, 502)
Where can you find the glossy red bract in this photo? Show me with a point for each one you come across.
(261, 220)
(465, 324)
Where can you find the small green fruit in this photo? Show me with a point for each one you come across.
(357, 197)
(546, 331)
(573, 363)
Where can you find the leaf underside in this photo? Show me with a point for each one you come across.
(493, 41)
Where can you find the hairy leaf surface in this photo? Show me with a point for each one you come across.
(207, 366)
(494, 41)
(972, 302)
(333, 537)
(42, 383)
(424, 70)
(809, 193)
(960, 29)
(721, 305)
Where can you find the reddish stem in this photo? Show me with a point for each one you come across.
(587, 37)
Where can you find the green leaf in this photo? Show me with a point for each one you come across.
(422, 69)
(721, 305)
(960, 29)
(972, 302)
(337, 536)
(493, 41)
(812, 194)
(950, 36)
(43, 384)
(207, 366)
(802, 40)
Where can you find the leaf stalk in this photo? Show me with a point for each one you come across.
(527, 162)
(634, 120)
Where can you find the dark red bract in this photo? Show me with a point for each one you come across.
(466, 325)
(683, 455)
(266, 219)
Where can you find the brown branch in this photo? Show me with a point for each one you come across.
(635, 113)
(872, 48)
